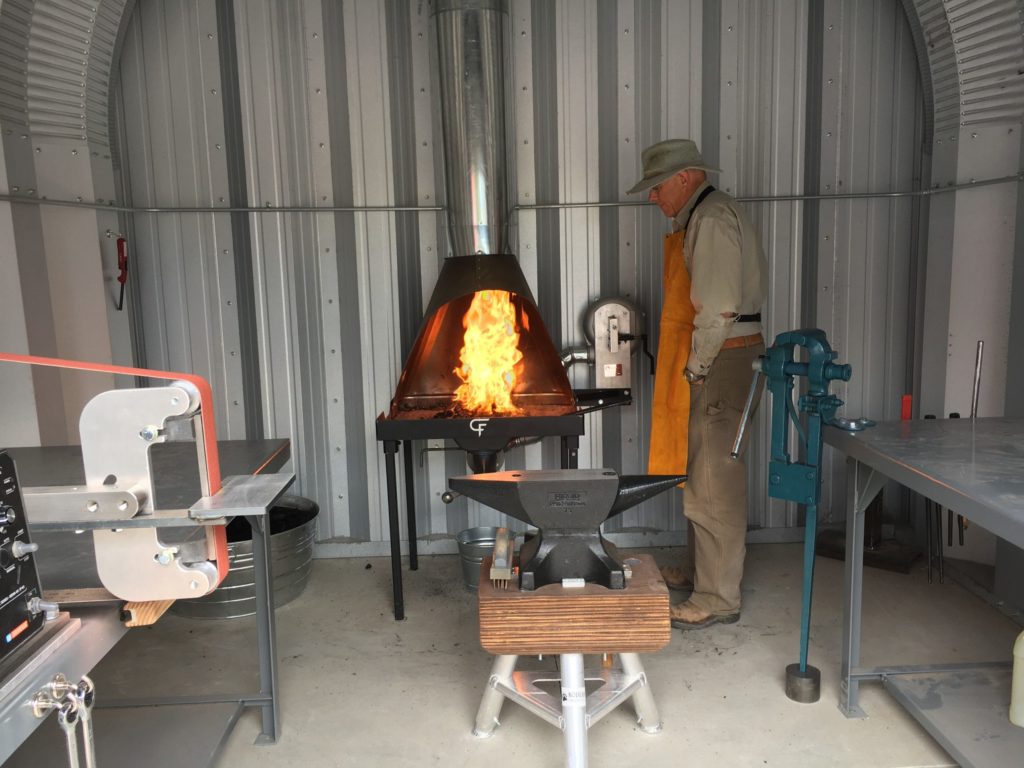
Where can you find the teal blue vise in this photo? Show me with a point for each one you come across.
(800, 481)
(789, 480)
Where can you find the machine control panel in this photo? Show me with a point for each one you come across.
(19, 578)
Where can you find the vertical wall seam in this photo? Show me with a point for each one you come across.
(356, 458)
(610, 188)
(545, 108)
(812, 165)
(241, 234)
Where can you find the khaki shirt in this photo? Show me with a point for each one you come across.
(728, 273)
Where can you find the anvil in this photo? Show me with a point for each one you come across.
(567, 507)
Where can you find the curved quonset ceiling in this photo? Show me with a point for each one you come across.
(56, 61)
(57, 58)
(972, 60)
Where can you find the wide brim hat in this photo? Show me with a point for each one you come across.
(665, 159)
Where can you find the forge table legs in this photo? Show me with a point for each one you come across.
(390, 449)
(570, 460)
(577, 711)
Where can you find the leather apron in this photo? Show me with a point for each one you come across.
(670, 411)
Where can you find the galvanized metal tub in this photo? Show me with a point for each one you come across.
(292, 533)
(474, 545)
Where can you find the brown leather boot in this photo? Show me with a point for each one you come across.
(675, 578)
(688, 616)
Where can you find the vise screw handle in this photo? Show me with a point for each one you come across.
(748, 409)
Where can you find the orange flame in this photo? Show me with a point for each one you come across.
(489, 355)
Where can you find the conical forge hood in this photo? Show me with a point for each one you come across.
(428, 382)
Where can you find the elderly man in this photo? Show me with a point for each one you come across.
(715, 283)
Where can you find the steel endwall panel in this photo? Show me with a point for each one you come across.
(642, 126)
(241, 252)
(609, 187)
(426, 166)
(625, 251)
(337, 105)
(186, 281)
(579, 277)
(350, 502)
(372, 182)
(548, 162)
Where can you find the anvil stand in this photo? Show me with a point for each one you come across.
(558, 617)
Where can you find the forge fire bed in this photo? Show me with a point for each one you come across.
(482, 434)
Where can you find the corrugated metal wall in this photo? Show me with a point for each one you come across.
(302, 319)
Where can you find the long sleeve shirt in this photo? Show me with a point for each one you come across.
(728, 274)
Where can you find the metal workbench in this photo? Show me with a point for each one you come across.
(977, 469)
(82, 636)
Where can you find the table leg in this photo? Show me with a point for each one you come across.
(862, 485)
(574, 709)
(390, 449)
(266, 634)
(410, 506)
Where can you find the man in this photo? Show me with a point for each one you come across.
(715, 283)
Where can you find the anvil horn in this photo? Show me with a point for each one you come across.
(636, 488)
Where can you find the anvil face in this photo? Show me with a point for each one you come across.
(568, 506)
(578, 499)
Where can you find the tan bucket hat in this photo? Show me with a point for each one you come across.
(667, 158)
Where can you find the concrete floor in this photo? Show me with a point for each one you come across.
(359, 689)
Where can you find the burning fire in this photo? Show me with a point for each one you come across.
(489, 355)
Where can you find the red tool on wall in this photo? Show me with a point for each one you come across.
(122, 265)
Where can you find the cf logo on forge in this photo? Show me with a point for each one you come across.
(478, 425)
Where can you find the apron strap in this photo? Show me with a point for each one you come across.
(700, 199)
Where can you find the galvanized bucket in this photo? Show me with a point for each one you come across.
(474, 545)
(293, 531)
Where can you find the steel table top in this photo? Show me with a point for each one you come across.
(974, 467)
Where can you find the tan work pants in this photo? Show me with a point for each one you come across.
(715, 496)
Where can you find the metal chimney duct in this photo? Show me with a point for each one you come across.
(470, 46)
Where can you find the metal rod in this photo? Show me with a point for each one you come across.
(224, 209)
(790, 198)
(390, 449)
(22, 199)
(748, 408)
(410, 506)
(574, 710)
(977, 380)
(810, 535)
(928, 534)
(266, 629)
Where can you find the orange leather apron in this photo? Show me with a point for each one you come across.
(670, 412)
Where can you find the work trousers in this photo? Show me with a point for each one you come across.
(715, 496)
